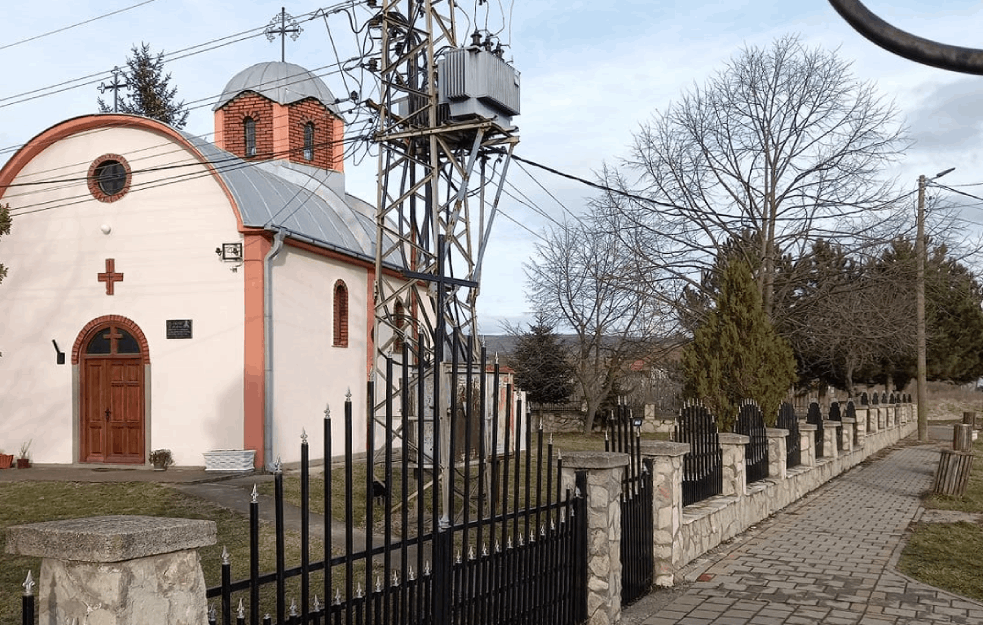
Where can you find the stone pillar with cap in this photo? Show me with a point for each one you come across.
(831, 438)
(604, 473)
(807, 448)
(667, 505)
(734, 448)
(118, 570)
(777, 453)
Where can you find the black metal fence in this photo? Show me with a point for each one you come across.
(787, 420)
(815, 417)
(751, 423)
(703, 470)
(488, 538)
(637, 522)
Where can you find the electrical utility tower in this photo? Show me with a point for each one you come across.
(445, 140)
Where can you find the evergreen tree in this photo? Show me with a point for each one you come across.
(149, 91)
(736, 354)
(4, 229)
(540, 363)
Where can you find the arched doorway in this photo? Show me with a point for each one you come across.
(111, 356)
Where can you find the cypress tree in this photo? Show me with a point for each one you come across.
(736, 353)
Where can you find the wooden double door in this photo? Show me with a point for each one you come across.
(113, 427)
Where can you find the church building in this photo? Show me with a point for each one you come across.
(167, 292)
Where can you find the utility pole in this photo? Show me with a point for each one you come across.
(920, 312)
(920, 255)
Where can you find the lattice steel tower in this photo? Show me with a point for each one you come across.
(446, 138)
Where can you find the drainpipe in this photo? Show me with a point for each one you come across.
(268, 345)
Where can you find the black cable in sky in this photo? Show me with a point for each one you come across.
(75, 25)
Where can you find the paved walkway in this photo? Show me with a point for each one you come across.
(827, 559)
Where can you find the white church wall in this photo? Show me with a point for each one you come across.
(309, 372)
(162, 236)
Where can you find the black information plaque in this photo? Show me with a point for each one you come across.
(179, 328)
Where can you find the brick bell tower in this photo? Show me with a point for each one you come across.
(279, 110)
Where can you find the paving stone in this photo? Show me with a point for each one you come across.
(826, 559)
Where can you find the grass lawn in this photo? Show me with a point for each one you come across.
(946, 555)
(31, 502)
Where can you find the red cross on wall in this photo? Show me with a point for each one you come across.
(110, 276)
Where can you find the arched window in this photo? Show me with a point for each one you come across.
(340, 314)
(249, 134)
(309, 141)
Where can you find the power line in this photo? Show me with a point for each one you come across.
(230, 164)
(970, 195)
(169, 57)
(76, 25)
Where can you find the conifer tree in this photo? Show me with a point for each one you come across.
(540, 363)
(736, 354)
(148, 89)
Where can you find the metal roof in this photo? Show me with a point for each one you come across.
(308, 203)
(284, 83)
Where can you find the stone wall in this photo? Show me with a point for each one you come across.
(683, 534)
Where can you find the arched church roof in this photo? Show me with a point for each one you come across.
(284, 83)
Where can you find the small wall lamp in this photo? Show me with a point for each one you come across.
(59, 355)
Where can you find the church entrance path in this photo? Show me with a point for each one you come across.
(829, 558)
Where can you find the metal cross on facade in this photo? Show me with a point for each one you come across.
(116, 85)
(282, 25)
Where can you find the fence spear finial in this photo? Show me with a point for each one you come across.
(241, 610)
(254, 497)
(327, 411)
(226, 559)
(303, 436)
(29, 584)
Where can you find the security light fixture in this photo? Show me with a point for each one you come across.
(230, 252)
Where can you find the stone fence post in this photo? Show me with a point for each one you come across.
(830, 438)
(777, 453)
(667, 504)
(735, 468)
(807, 445)
(118, 570)
(861, 426)
(849, 427)
(604, 473)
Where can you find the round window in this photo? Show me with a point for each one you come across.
(109, 177)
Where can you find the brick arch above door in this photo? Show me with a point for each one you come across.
(128, 324)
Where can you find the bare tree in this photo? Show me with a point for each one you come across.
(784, 142)
(585, 280)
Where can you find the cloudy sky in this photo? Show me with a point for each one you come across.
(591, 72)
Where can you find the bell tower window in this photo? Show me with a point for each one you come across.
(309, 141)
(249, 135)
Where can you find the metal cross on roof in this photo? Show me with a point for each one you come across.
(116, 85)
(282, 25)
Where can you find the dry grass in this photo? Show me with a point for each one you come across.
(947, 403)
(33, 502)
(946, 555)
